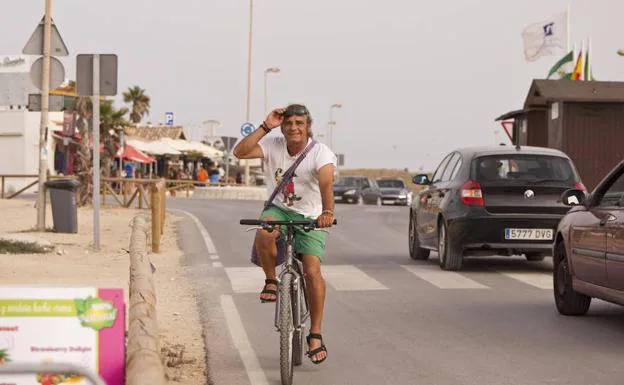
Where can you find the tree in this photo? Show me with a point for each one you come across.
(111, 122)
(140, 103)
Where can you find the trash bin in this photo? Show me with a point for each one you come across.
(64, 208)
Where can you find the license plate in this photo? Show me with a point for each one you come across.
(388, 201)
(337, 198)
(529, 234)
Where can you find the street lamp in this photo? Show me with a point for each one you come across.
(248, 85)
(273, 70)
(332, 123)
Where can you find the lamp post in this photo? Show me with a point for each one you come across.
(332, 123)
(273, 70)
(248, 86)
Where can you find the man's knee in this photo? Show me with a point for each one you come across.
(265, 238)
(311, 266)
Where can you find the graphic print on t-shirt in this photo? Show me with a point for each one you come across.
(288, 192)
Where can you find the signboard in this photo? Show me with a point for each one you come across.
(34, 46)
(247, 128)
(14, 63)
(69, 123)
(56, 103)
(169, 118)
(77, 325)
(108, 74)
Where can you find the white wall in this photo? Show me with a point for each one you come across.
(19, 143)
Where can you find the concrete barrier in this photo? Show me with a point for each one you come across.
(143, 361)
(231, 192)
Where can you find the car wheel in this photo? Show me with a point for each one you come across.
(568, 301)
(416, 252)
(450, 258)
(534, 257)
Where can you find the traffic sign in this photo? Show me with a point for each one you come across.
(56, 103)
(247, 128)
(108, 74)
(57, 73)
(35, 43)
(169, 118)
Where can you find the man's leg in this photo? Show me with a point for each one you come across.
(266, 248)
(267, 252)
(315, 291)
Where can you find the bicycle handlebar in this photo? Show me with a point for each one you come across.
(262, 222)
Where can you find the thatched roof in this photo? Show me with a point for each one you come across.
(155, 132)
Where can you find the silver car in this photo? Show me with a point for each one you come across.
(394, 191)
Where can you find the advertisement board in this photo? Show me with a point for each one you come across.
(76, 325)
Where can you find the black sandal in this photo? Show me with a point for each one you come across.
(317, 350)
(267, 291)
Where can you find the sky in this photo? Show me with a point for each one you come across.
(415, 79)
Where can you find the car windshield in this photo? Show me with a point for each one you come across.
(534, 169)
(349, 182)
(390, 183)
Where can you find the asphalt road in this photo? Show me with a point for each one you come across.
(391, 320)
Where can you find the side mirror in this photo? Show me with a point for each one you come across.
(421, 179)
(573, 197)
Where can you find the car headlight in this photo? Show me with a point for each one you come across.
(350, 192)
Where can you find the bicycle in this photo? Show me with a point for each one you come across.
(289, 320)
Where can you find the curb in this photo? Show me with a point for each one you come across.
(143, 360)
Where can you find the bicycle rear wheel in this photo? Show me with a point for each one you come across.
(287, 329)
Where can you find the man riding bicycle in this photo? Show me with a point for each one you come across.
(309, 195)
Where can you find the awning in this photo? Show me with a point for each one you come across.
(134, 154)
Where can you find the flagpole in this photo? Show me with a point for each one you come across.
(568, 28)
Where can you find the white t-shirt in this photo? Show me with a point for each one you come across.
(302, 194)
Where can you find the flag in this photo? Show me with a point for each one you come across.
(588, 72)
(576, 74)
(560, 66)
(546, 37)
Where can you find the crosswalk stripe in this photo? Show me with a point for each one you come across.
(350, 278)
(444, 279)
(539, 280)
(245, 279)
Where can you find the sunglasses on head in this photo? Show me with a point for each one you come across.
(295, 110)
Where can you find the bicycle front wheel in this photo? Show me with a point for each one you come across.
(287, 329)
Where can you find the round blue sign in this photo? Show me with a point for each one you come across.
(247, 128)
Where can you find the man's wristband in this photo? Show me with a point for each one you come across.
(265, 128)
(327, 212)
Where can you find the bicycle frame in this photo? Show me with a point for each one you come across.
(294, 267)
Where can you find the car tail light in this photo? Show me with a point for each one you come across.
(471, 194)
(580, 186)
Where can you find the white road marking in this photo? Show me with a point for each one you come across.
(444, 279)
(246, 279)
(241, 342)
(536, 279)
(349, 278)
(212, 250)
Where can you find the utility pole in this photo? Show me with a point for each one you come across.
(43, 127)
(248, 88)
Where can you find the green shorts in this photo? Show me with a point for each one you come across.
(312, 242)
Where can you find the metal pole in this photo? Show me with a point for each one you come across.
(43, 127)
(228, 145)
(266, 106)
(331, 128)
(96, 151)
(248, 85)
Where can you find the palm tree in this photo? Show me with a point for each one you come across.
(140, 103)
(111, 122)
